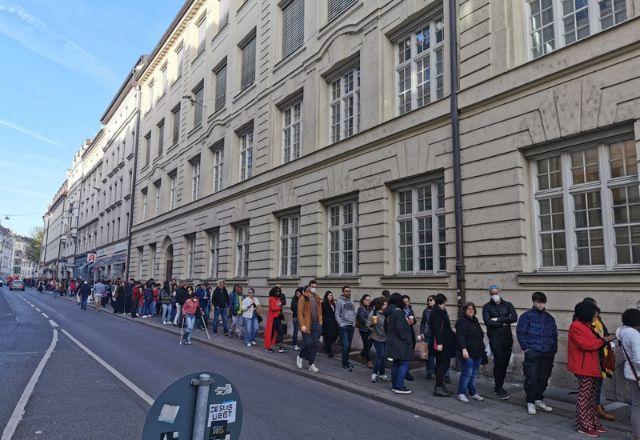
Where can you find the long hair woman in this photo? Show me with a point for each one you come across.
(273, 313)
(329, 323)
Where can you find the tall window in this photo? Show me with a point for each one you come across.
(218, 161)
(554, 23)
(588, 208)
(198, 105)
(160, 137)
(337, 7)
(248, 73)
(345, 105)
(246, 155)
(150, 96)
(179, 60)
(242, 251)
(172, 190)
(214, 253)
(292, 26)
(291, 137)
(195, 178)
(421, 228)
(343, 238)
(165, 79)
(202, 31)
(140, 261)
(191, 256)
(144, 204)
(221, 87)
(154, 261)
(157, 186)
(289, 233)
(175, 114)
(147, 148)
(420, 69)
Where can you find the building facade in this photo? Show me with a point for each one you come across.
(55, 237)
(22, 266)
(6, 252)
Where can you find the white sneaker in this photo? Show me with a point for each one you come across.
(543, 406)
(253, 342)
(477, 397)
(313, 368)
(463, 398)
(373, 377)
(531, 409)
(299, 362)
(296, 348)
(249, 345)
(383, 378)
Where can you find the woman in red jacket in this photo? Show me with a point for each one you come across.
(275, 309)
(583, 361)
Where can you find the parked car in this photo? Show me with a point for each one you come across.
(16, 285)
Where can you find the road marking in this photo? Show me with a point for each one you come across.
(133, 387)
(18, 412)
(37, 309)
(45, 315)
(53, 323)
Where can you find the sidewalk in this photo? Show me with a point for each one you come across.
(493, 418)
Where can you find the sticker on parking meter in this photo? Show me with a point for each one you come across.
(222, 411)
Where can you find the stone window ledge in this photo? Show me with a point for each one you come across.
(415, 280)
(576, 278)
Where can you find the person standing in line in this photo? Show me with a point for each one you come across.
(329, 323)
(399, 344)
(147, 294)
(294, 318)
(281, 323)
(85, 291)
(375, 322)
(425, 335)
(538, 337)
(273, 314)
(189, 309)
(235, 301)
(155, 303)
(128, 291)
(249, 308)
(181, 297)
(444, 341)
(629, 337)
(165, 300)
(135, 299)
(310, 318)
(220, 299)
(498, 315)
(583, 360)
(411, 318)
(470, 339)
(365, 332)
(99, 290)
(346, 315)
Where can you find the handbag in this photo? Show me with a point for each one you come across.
(633, 368)
(421, 351)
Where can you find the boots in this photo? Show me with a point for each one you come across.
(604, 414)
(441, 392)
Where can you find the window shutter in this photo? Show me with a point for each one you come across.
(292, 27)
(248, 75)
(221, 88)
(337, 7)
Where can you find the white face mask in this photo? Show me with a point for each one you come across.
(313, 290)
(495, 298)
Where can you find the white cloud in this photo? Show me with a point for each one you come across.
(20, 25)
(29, 132)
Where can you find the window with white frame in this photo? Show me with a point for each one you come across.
(176, 124)
(191, 256)
(242, 251)
(157, 186)
(421, 228)
(140, 261)
(291, 132)
(289, 239)
(214, 253)
(202, 31)
(221, 87)
(195, 178)
(165, 79)
(292, 26)
(160, 137)
(336, 7)
(248, 72)
(150, 96)
(420, 66)
(218, 163)
(343, 238)
(552, 24)
(144, 204)
(587, 208)
(246, 155)
(153, 262)
(179, 60)
(198, 104)
(172, 190)
(345, 105)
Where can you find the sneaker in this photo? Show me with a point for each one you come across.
(253, 342)
(601, 430)
(593, 433)
(373, 377)
(269, 350)
(502, 394)
(164, 322)
(403, 390)
(226, 333)
(463, 398)
(299, 362)
(543, 406)
(313, 368)
(531, 409)
(383, 378)
(296, 348)
(477, 397)
(249, 345)
(347, 368)
(390, 359)
(282, 350)
(441, 392)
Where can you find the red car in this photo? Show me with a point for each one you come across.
(16, 285)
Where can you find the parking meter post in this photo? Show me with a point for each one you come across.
(202, 397)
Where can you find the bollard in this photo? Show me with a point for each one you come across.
(202, 398)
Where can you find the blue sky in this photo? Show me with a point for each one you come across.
(62, 62)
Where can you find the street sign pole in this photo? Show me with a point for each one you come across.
(202, 399)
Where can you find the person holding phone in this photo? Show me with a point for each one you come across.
(250, 309)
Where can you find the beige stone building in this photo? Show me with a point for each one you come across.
(55, 237)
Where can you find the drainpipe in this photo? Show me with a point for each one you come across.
(455, 138)
(134, 176)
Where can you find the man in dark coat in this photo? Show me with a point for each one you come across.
(399, 345)
(85, 291)
(221, 301)
(128, 290)
(181, 297)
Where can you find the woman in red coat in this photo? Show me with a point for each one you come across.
(583, 360)
(274, 311)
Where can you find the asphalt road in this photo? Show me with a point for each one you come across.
(77, 398)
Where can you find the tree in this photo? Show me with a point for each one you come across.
(35, 244)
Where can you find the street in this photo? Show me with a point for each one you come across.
(76, 397)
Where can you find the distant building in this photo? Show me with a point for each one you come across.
(21, 264)
(6, 252)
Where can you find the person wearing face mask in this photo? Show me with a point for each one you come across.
(538, 337)
(498, 315)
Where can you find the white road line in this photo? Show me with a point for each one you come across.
(45, 315)
(18, 412)
(37, 309)
(53, 323)
(133, 387)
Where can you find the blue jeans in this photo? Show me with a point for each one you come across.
(296, 327)
(83, 302)
(398, 372)
(467, 381)
(310, 344)
(166, 312)
(378, 363)
(146, 308)
(220, 312)
(189, 321)
(251, 329)
(346, 335)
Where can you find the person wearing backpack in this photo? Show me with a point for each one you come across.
(629, 337)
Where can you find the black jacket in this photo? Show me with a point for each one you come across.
(499, 331)
(294, 307)
(440, 327)
(425, 329)
(399, 345)
(181, 295)
(469, 335)
(220, 297)
(329, 323)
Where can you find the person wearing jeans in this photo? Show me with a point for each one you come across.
(470, 339)
(375, 322)
(310, 319)
(364, 330)
(346, 316)
(249, 309)
(294, 318)
(189, 311)
(221, 301)
(425, 335)
(629, 337)
(399, 344)
(165, 300)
